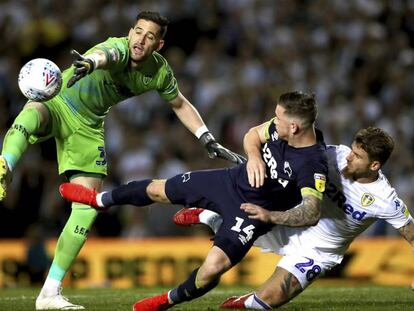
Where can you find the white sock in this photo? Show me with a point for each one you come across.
(51, 287)
(99, 199)
(254, 302)
(169, 299)
(211, 219)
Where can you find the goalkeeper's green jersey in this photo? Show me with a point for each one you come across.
(91, 97)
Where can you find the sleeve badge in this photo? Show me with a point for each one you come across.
(320, 181)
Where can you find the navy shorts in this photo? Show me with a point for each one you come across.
(215, 190)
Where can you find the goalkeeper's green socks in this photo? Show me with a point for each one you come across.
(69, 244)
(17, 137)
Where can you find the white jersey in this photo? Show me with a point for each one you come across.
(348, 208)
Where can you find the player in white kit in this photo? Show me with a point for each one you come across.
(357, 194)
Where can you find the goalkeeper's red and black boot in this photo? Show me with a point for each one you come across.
(156, 303)
(79, 194)
(188, 216)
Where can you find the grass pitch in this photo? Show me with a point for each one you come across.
(314, 298)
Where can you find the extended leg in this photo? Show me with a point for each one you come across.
(138, 193)
(32, 119)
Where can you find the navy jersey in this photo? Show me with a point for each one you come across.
(290, 171)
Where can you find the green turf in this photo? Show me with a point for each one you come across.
(314, 298)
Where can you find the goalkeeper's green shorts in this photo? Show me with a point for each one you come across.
(79, 147)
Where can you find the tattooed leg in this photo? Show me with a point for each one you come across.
(281, 287)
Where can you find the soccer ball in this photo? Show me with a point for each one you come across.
(40, 79)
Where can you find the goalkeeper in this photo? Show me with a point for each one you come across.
(108, 73)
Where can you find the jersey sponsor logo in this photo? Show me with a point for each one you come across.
(337, 197)
(186, 177)
(320, 181)
(272, 165)
(367, 199)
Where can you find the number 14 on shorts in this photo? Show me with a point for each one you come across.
(248, 230)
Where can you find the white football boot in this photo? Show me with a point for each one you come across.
(55, 302)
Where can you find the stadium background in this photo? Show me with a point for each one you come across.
(232, 59)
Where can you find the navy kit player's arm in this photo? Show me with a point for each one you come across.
(305, 214)
(252, 142)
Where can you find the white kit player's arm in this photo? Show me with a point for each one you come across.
(407, 232)
(307, 213)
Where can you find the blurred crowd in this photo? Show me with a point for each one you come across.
(232, 59)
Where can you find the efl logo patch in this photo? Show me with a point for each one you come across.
(367, 199)
(320, 181)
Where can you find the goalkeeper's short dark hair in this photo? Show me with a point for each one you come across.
(156, 18)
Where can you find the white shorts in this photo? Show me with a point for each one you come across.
(305, 269)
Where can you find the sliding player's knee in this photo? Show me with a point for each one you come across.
(156, 191)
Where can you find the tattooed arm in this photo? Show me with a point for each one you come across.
(305, 214)
(407, 232)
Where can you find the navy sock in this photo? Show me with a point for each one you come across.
(188, 290)
(134, 193)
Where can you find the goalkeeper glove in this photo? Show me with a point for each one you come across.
(214, 149)
(83, 67)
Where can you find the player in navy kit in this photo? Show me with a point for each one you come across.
(286, 167)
